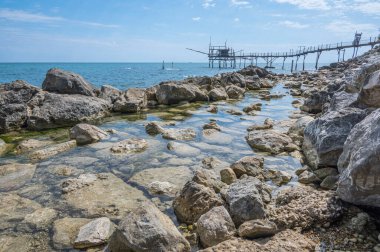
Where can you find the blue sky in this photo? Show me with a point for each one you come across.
(152, 31)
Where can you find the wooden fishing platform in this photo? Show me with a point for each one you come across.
(227, 56)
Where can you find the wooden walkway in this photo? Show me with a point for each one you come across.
(226, 56)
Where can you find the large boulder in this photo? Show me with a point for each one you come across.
(13, 109)
(303, 207)
(131, 101)
(65, 82)
(254, 70)
(50, 110)
(359, 164)
(193, 201)
(315, 102)
(172, 93)
(271, 141)
(257, 228)
(250, 165)
(110, 93)
(299, 126)
(218, 94)
(235, 79)
(370, 92)
(324, 137)
(342, 100)
(147, 229)
(215, 226)
(235, 92)
(85, 133)
(245, 200)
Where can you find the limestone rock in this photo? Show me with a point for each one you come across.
(257, 228)
(235, 92)
(228, 176)
(131, 101)
(330, 182)
(31, 144)
(233, 79)
(66, 230)
(245, 200)
(287, 240)
(147, 229)
(250, 165)
(65, 82)
(172, 93)
(94, 233)
(324, 172)
(324, 137)
(308, 177)
(179, 134)
(129, 146)
(52, 150)
(252, 107)
(299, 126)
(278, 177)
(14, 176)
(212, 125)
(270, 141)
(40, 219)
(215, 226)
(183, 150)
(86, 133)
(359, 163)
(193, 201)
(104, 195)
(24, 242)
(303, 206)
(109, 92)
(218, 94)
(152, 128)
(315, 102)
(268, 124)
(370, 91)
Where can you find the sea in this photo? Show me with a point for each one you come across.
(120, 75)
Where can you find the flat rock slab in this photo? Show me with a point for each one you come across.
(25, 242)
(94, 233)
(14, 176)
(52, 150)
(129, 146)
(177, 176)
(183, 150)
(102, 194)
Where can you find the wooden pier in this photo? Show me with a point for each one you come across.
(227, 57)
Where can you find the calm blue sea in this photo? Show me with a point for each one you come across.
(120, 75)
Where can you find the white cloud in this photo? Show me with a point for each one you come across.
(346, 27)
(293, 25)
(236, 20)
(368, 7)
(196, 19)
(208, 4)
(24, 16)
(307, 4)
(241, 3)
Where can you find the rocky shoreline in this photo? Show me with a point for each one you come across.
(330, 203)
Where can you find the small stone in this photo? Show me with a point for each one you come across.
(257, 228)
(324, 172)
(234, 112)
(279, 177)
(301, 170)
(94, 233)
(212, 109)
(158, 187)
(85, 133)
(228, 176)
(192, 238)
(212, 125)
(129, 145)
(152, 128)
(308, 177)
(179, 134)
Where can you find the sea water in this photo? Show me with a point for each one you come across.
(120, 75)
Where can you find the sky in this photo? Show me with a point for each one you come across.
(156, 30)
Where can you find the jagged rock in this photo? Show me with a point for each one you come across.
(85, 133)
(253, 70)
(330, 182)
(215, 226)
(227, 176)
(102, 194)
(359, 163)
(172, 93)
(245, 200)
(342, 100)
(257, 228)
(325, 136)
(268, 124)
(235, 92)
(270, 141)
(14, 176)
(147, 229)
(287, 240)
(308, 177)
(299, 126)
(110, 93)
(218, 94)
(324, 172)
(179, 134)
(13, 111)
(212, 163)
(278, 177)
(131, 101)
(250, 165)
(50, 110)
(315, 102)
(235, 79)
(52, 150)
(129, 146)
(66, 230)
(152, 128)
(65, 82)
(304, 206)
(193, 201)
(31, 144)
(151, 93)
(94, 233)
(158, 187)
(208, 178)
(253, 83)
(370, 91)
